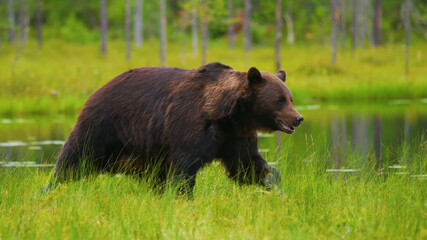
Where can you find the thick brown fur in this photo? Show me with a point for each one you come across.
(179, 121)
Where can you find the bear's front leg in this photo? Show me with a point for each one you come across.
(186, 160)
(246, 165)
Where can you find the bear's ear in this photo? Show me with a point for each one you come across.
(254, 75)
(282, 75)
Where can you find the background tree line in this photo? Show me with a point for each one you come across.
(304, 20)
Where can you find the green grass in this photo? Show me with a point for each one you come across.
(60, 76)
(370, 204)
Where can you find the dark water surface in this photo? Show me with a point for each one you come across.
(348, 133)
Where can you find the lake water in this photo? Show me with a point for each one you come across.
(348, 134)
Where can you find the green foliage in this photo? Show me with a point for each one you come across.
(72, 26)
(262, 34)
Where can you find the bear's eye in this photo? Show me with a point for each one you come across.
(282, 100)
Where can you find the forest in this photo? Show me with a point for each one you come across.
(360, 23)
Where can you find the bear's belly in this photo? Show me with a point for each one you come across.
(130, 165)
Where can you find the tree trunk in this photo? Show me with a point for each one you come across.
(163, 32)
(406, 12)
(364, 15)
(183, 36)
(23, 22)
(278, 32)
(138, 23)
(39, 23)
(127, 28)
(204, 32)
(354, 25)
(142, 22)
(230, 24)
(11, 21)
(194, 37)
(290, 27)
(278, 38)
(246, 25)
(343, 18)
(0, 30)
(377, 23)
(335, 17)
(104, 26)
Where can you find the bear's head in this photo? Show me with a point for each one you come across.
(272, 101)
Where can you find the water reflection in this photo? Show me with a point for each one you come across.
(377, 134)
(354, 135)
(34, 138)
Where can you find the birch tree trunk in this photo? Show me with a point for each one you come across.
(11, 21)
(246, 25)
(0, 30)
(230, 24)
(278, 32)
(104, 26)
(335, 17)
(278, 38)
(354, 23)
(204, 18)
(364, 15)
(194, 37)
(290, 27)
(184, 18)
(343, 18)
(377, 23)
(406, 12)
(39, 18)
(127, 28)
(23, 22)
(163, 32)
(138, 23)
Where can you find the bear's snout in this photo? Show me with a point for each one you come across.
(298, 121)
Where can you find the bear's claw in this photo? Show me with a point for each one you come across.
(272, 178)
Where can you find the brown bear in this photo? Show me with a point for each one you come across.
(179, 121)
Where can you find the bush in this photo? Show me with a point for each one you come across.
(76, 31)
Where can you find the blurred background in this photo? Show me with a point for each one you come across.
(359, 23)
(357, 68)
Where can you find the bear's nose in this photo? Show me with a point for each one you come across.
(298, 121)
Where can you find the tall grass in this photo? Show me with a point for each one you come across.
(60, 76)
(372, 203)
(369, 204)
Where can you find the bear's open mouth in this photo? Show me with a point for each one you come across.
(284, 128)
